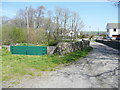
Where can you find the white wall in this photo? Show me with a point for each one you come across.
(112, 32)
(118, 31)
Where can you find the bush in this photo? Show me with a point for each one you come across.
(52, 43)
(12, 35)
(81, 36)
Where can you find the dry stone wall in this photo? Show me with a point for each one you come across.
(67, 47)
(50, 49)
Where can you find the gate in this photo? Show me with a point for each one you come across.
(28, 50)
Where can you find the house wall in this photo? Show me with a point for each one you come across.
(111, 32)
(118, 31)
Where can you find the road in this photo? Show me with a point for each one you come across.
(99, 69)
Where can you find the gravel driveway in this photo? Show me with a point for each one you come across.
(97, 70)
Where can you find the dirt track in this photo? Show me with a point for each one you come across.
(97, 70)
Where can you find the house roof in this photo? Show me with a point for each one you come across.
(113, 25)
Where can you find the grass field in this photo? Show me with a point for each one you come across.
(14, 66)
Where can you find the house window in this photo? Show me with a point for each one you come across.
(114, 29)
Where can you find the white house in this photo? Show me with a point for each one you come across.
(71, 33)
(113, 30)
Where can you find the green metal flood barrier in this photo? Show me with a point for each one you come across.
(28, 50)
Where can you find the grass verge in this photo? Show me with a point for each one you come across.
(20, 65)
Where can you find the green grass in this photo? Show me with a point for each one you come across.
(20, 65)
(5, 52)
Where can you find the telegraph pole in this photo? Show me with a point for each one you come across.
(27, 24)
(27, 19)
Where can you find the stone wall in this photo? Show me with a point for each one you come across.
(67, 47)
(50, 49)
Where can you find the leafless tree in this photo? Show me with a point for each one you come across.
(76, 24)
(4, 19)
(39, 16)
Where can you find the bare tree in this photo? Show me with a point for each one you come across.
(76, 23)
(61, 20)
(39, 15)
(48, 26)
(65, 20)
(57, 22)
(4, 19)
(117, 2)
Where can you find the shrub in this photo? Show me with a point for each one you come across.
(12, 35)
(81, 36)
(52, 43)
